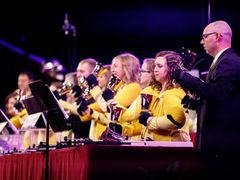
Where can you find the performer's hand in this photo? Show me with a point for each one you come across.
(57, 95)
(19, 106)
(107, 94)
(144, 117)
(178, 74)
(82, 105)
(186, 101)
(191, 102)
(76, 91)
(92, 81)
(175, 73)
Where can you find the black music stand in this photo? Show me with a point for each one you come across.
(52, 112)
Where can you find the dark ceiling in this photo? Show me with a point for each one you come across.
(33, 31)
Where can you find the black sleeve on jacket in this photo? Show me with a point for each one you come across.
(222, 83)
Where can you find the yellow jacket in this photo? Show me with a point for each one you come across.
(159, 127)
(133, 112)
(19, 119)
(129, 117)
(96, 129)
(124, 96)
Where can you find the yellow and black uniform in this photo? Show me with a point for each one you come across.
(96, 127)
(19, 119)
(159, 126)
(134, 109)
(125, 94)
(129, 117)
(84, 119)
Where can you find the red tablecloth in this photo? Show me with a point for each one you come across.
(67, 163)
(103, 161)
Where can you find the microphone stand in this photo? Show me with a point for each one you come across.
(45, 118)
(70, 33)
(47, 148)
(52, 113)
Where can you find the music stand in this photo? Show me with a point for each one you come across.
(53, 113)
(31, 105)
(35, 116)
(6, 126)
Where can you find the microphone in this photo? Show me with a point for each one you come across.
(66, 25)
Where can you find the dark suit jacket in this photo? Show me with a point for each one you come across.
(219, 114)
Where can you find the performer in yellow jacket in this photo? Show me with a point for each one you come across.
(84, 69)
(159, 106)
(126, 68)
(130, 115)
(101, 79)
(16, 116)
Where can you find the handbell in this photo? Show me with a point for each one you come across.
(68, 84)
(113, 133)
(113, 82)
(84, 86)
(115, 113)
(66, 88)
(145, 101)
(83, 82)
(98, 67)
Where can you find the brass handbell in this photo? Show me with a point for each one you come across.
(66, 88)
(98, 67)
(113, 82)
(115, 113)
(69, 83)
(114, 129)
(83, 82)
(84, 86)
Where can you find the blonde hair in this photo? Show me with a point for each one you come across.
(106, 71)
(130, 66)
(150, 64)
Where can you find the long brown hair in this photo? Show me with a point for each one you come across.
(174, 60)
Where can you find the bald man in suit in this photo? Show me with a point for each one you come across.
(218, 133)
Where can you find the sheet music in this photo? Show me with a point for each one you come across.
(31, 121)
(2, 125)
(6, 119)
(61, 108)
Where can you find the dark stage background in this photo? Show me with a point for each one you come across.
(32, 32)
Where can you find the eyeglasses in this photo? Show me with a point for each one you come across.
(204, 36)
(145, 71)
